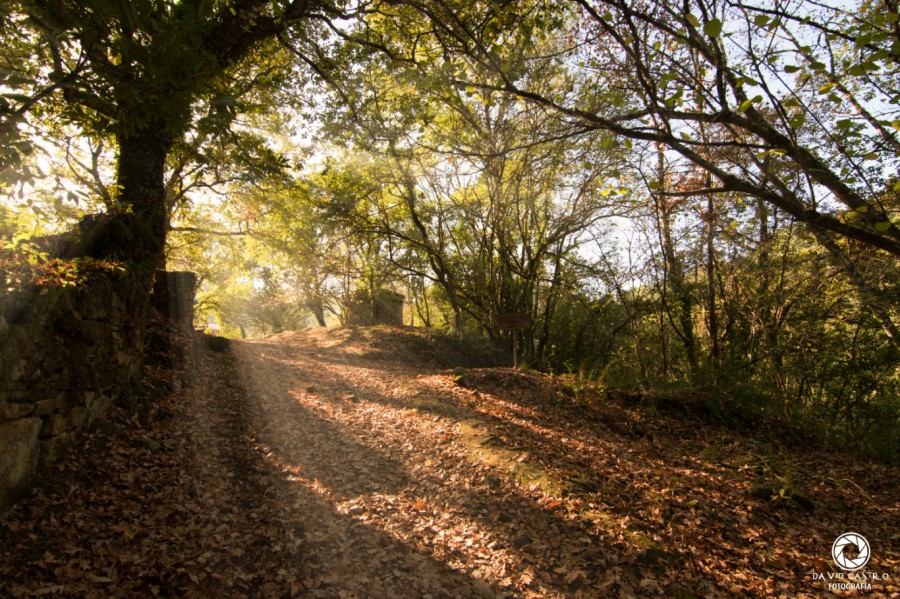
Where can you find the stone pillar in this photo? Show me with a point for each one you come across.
(173, 296)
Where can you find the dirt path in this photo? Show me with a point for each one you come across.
(349, 463)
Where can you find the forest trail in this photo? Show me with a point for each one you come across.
(352, 462)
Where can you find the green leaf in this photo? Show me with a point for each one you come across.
(792, 102)
(745, 81)
(826, 88)
(871, 156)
(883, 226)
(713, 28)
(897, 186)
(791, 68)
(862, 209)
(748, 103)
(896, 125)
(761, 20)
(685, 136)
(692, 19)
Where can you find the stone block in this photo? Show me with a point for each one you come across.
(53, 448)
(19, 451)
(43, 407)
(18, 370)
(78, 417)
(55, 424)
(91, 309)
(97, 408)
(14, 411)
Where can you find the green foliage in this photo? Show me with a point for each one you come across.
(470, 157)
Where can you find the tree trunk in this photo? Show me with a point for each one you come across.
(142, 194)
(674, 277)
(318, 310)
(712, 318)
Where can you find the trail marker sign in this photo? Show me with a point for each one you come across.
(513, 322)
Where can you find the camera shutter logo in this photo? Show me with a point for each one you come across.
(850, 540)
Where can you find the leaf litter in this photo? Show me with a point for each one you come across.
(354, 462)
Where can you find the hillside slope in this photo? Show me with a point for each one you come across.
(352, 462)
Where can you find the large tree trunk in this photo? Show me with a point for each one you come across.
(142, 193)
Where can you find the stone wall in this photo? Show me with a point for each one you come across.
(381, 307)
(66, 355)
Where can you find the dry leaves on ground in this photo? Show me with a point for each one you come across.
(351, 462)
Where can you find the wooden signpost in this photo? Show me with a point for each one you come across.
(514, 323)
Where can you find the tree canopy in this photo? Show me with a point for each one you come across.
(701, 193)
